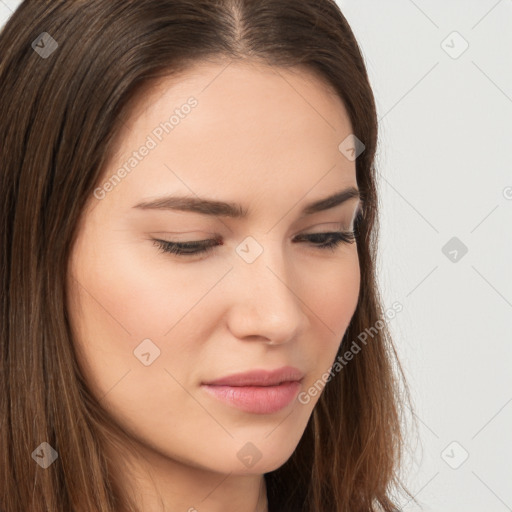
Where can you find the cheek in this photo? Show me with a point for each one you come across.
(119, 300)
(133, 292)
(331, 296)
(333, 292)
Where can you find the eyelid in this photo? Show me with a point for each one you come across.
(335, 226)
(204, 235)
(188, 236)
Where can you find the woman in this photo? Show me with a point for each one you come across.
(191, 317)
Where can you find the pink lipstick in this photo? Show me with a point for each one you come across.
(258, 391)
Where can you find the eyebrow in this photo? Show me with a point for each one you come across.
(235, 210)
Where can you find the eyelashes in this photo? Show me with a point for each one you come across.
(321, 241)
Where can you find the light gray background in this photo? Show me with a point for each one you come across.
(445, 170)
(445, 165)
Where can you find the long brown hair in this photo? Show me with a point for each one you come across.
(69, 71)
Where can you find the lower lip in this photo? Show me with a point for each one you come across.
(256, 399)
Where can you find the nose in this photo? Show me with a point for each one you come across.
(264, 304)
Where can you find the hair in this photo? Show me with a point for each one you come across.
(61, 117)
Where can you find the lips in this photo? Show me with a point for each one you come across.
(257, 391)
(256, 399)
(259, 377)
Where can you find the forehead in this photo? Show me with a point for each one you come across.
(252, 128)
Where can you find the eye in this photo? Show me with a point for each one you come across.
(322, 241)
(330, 240)
(187, 248)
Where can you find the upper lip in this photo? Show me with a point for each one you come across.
(259, 377)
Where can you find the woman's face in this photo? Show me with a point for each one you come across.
(152, 326)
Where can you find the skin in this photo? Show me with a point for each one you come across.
(268, 139)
